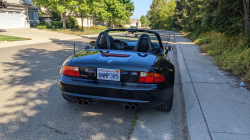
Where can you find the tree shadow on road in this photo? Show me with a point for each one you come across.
(31, 105)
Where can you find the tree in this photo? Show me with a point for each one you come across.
(143, 20)
(161, 13)
(66, 7)
(86, 7)
(246, 13)
(115, 11)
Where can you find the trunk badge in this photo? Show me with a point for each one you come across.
(110, 61)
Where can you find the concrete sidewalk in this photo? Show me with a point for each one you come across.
(156, 125)
(217, 107)
(36, 35)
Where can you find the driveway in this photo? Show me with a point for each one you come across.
(36, 35)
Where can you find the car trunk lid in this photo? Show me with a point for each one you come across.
(129, 63)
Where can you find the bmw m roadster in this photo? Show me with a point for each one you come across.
(135, 71)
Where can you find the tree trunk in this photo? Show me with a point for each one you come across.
(246, 10)
(82, 21)
(64, 18)
(109, 22)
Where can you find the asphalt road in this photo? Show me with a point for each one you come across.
(31, 105)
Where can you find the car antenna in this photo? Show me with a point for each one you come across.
(75, 49)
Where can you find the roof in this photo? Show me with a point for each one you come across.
(132, 21)
(18, 2)
(33, 8)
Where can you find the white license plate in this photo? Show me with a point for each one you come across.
(108, 74)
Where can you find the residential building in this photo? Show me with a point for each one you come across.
(16, 15)
(87, 20)
(135, 23)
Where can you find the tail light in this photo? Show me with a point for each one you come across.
(147, 77)
(71, 71)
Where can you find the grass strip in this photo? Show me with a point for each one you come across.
(134, 123)
(231, 52)
(77, 32)
(12, 38)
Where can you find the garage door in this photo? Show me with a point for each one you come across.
(11, 20)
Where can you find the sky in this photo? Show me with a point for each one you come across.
(141, 8)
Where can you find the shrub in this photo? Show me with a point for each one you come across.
(232, 53)
(41, 27)
(56, 16)
(205, 40)
(58, 24)
(94, 27)
(71, 22)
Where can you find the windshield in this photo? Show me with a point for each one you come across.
(133, 37)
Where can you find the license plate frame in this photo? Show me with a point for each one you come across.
(108, 74)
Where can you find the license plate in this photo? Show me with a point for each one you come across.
(108, 74)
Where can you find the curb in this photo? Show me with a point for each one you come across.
(197, 125)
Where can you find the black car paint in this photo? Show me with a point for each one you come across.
(145, 95)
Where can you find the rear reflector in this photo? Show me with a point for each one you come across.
(147, 77)
(71, 71)
(115, 55)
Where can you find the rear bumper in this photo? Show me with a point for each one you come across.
(145, 95)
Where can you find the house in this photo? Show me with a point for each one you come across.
(17, 13)
(33, 15)
(135, 23)
(87, 20)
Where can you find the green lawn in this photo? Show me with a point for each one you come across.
(11, 38)
(79, 32)
(76, 32)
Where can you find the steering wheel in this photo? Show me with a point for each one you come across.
(119, 44)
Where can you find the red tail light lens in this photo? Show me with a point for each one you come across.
(71, 71)
(147, 77)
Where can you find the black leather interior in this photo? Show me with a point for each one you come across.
(103, 43)
(144, 44)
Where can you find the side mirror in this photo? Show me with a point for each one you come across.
(92, 43)
(169, 48)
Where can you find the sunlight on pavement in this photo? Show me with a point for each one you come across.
(186, 43)
(118, 120)
(18, 105)
(98, 136)
(91, 114)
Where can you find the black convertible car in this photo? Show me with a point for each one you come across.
(135, 71)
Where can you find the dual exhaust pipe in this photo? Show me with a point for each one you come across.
(84, 101)
(128, 106)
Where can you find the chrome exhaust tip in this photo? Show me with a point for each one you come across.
(86, 102)
(80, 101)
(133, 106)
(127, 107)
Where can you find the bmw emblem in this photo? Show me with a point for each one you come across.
(110, 61)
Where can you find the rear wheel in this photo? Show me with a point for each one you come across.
(166, 107)
(67, 99)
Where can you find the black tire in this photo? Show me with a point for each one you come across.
(67, 99)
(166, 107)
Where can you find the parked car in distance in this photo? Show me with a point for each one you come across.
(100, 24)
(134, 71)
(133, 27)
